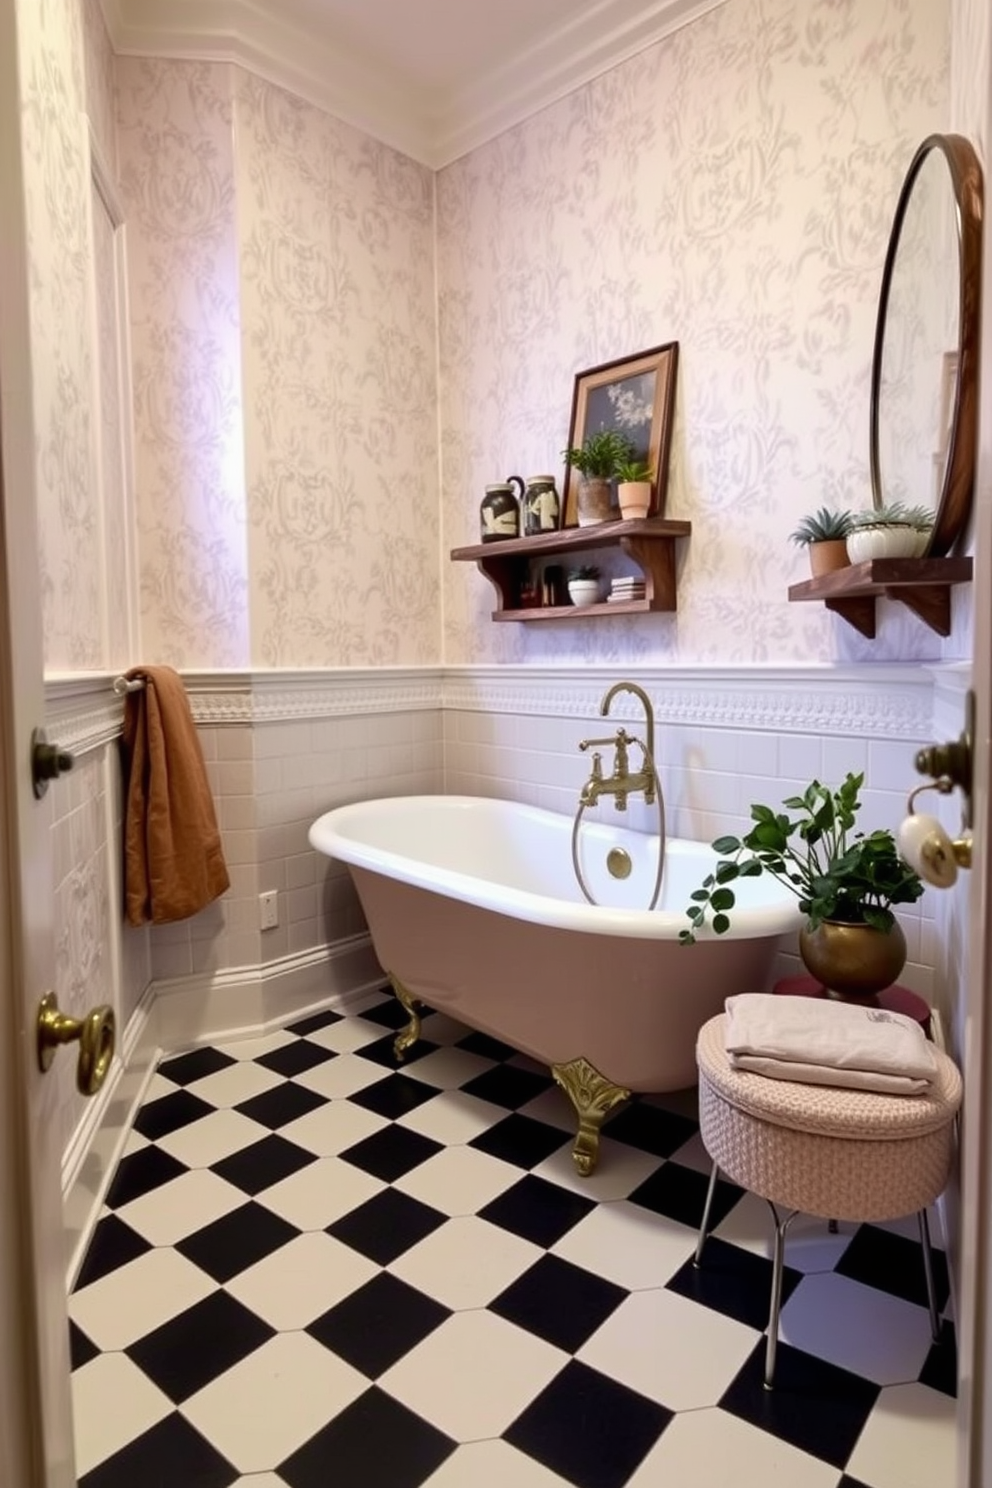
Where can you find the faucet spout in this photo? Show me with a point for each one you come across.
(645, 702)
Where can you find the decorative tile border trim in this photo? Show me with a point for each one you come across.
(887, 702)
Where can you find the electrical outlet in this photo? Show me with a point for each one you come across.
(268, 910)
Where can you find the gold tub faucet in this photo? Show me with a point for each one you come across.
(623, 782)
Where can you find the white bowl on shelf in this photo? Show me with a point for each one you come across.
(866, 543)
(583, 591)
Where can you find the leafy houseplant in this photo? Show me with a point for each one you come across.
(840, 877)
(597, 460)
(634, 471)
(825, 534)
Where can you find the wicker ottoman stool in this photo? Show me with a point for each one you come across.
(818, 1149)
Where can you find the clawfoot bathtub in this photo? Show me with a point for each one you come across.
(473, 909)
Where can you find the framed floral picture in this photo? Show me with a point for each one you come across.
(634, 395)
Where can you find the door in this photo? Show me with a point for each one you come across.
(36, 1431)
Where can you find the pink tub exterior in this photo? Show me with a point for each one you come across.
(472, 905)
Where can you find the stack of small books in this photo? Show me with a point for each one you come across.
(626, 588)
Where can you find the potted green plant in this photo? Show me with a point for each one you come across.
(634, 481)
(583, 584)
(596, 460)
(846, 883)
(825, 534)
(889, 531)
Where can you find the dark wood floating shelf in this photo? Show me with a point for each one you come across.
(924, 584)
(648, 541)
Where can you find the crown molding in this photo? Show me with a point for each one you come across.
(271, 38)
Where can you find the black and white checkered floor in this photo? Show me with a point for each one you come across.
(315, 1270)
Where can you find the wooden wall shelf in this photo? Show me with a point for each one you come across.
(923, 584)
(648, 541)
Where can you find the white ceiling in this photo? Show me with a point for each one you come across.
(435, 78)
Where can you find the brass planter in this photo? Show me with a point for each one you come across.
(853, 960)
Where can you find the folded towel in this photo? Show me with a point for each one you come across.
(836, 1036)
(173, 862)
(820, 1074)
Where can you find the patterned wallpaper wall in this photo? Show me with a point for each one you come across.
(731, 188)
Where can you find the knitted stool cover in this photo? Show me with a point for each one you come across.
(842, 1154)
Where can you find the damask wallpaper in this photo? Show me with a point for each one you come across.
(731, 188)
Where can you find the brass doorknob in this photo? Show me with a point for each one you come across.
(94, 1033)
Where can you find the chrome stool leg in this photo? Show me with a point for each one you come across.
(697, 1259)
(921, 1220)
(778, 1269)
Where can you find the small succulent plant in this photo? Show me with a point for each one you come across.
(895, 514)
(586, 571)
(634, 470)
(823, 526)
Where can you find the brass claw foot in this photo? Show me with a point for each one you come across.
(593, 1097)
(411, 1033)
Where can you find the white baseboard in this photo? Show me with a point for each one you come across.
(180, 1014)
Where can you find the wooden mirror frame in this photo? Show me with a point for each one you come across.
(954, 505)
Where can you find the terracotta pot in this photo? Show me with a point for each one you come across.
(595, 501)
(853, 960)
(825, 557)
(634, 498)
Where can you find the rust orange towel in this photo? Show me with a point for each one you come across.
(173, 861)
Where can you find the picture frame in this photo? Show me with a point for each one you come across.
(635, 395)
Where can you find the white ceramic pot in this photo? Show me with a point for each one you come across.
(866, 543)
(583, 591)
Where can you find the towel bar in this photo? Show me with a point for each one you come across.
(123, 685)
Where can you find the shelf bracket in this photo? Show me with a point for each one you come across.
(857, 611)
(931, 604)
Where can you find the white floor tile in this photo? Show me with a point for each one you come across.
(158, 1086)
(459, 1180)
(212, 1138)
(449, 1068)
(619, 1171)
(315, 1196)
(474, 1375)
(882, 1338)
(452, 1117)
(441, 1028)
(135, 1142)
(809, 1245)
(134, 1299)
(173, 1211)
(909, 1440)
(333, 1128)
(635, 1346)
(341, 1077)
(711, 1449)
(260, 1480)
(113, 1402)
(628, 1245)
(693, 1154)
(298, 1283)
(255, 1045)
(554, 1108)
(466, 1263)
(272, 1402)
(348, 1035)
(235, 1083)
(493, 1464)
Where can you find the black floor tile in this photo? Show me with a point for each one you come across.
(815, 1406)
(940, 1369)
(505, 1085)
(375, 1443)
(168, 1114)
(559, 1302)
(378, 1324)
(394, 1096)
(488, 1047)
(588, 1428)
(170, 1454)
(314, 1023)
(382, 1051)
(203, 1342)
(894, 1265)
(521, 1140)
(390, 1153)
(733, 1281)
(537, 1210)
(680, 1194)
(847, 1482)
(81, 1348)
(386, 1226)
(293, 1059)
(186, 1068)
(281, 1105)
(141, 1172)
(236, 1241)
(653, 1130)
(262, 1164)
(389, 1013)
(114, 1243)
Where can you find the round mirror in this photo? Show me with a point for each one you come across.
(924, 371)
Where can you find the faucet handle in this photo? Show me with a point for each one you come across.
(590, 743)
